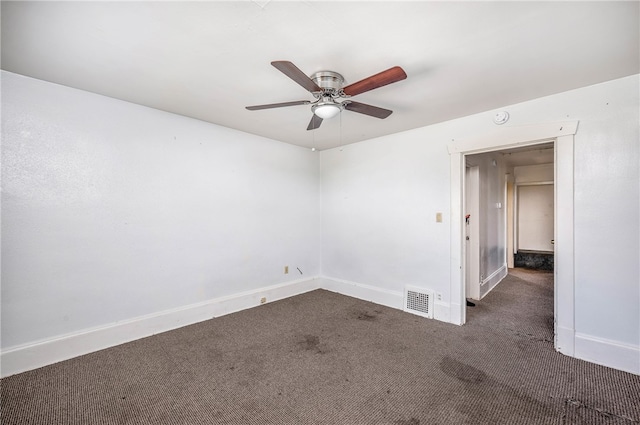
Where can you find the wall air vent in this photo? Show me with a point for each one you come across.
(418, 301)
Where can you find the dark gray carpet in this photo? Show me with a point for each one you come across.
(323, 358)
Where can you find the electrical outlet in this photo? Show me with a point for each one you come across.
(286, 269)
(439, 296)
(263, 300)
(439, 217)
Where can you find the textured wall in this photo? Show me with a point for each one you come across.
(112, 211)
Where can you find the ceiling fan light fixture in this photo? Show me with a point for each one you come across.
(328, 86)
(326, 110)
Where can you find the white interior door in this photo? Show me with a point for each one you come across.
(472, 232)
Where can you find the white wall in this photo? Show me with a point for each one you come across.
(379, 200)
(379, 206)
(112, 211)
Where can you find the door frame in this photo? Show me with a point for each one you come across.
(562, 134)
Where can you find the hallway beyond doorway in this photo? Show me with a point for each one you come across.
(524, 303)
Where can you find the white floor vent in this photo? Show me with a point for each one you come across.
(418, 301)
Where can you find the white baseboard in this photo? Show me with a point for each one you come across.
(490, 282)
(608, 353)
(442, 311)
(42, 353)
(455, 314)
(565, 341)
(386, 297)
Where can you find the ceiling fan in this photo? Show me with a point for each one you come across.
(327, 88)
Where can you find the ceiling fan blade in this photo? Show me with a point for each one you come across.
(278, 105)
(363, 108)
(314, 123)
(293, 72)
(391, 75)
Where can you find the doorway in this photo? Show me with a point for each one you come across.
(562, 135)
(509, 211)
(534, 226)
(531, 206)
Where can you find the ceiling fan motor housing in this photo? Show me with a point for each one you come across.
(328, 80)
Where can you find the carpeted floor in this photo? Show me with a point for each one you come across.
(323, 358)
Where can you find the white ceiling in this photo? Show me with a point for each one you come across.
(208, 60)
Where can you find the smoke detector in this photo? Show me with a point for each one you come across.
(501, 117)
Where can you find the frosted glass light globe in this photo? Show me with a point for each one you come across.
(326, 110)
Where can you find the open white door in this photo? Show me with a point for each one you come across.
(472, 232)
